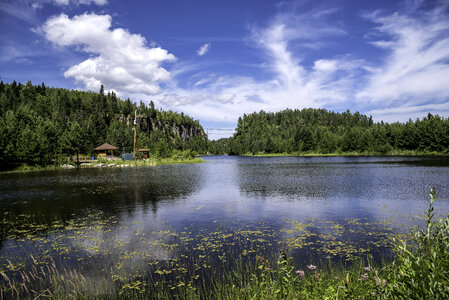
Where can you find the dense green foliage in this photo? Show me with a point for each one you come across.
(422, 268)
(40, 125)
(321, 131)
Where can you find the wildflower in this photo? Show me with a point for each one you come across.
(367, 269)
(300, 273)
(311, 267)
(364, 277)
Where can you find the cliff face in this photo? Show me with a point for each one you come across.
(146, 124)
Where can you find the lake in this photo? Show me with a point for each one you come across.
(183, 221)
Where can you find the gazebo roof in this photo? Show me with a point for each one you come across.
(106, 146)
(143, 150)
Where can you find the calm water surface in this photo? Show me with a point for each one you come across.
(113, 220)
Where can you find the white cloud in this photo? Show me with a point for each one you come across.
(61, 2)
(325, 65)
(123, 62)
(77, 2)
(405, 112)
(37, 5)
(97, 2)
(223, 99)
(26, 10)
(20, 9)
(416, 69)
(203, 49)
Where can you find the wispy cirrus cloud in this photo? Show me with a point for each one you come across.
(203, 49)
(26, 10)
(407, 76)
(78, 2)
(122, 61)
(415, 70)
(290, 83)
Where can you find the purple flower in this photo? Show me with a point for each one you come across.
(300, 273)
(364, 277)
(367, 269)
(311, 267)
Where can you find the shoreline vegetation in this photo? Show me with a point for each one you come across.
(419, 270)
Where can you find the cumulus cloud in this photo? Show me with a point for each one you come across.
(203, 49)
(416, 68)
(120, 60)
(413, 71)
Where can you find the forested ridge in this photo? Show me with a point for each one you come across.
(322, 132)
(43, 125)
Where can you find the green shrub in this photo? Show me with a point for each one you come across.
(421, 269)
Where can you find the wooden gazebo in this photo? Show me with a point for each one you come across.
(105, 150)
(144, 153)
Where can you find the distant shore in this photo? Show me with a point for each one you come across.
(310, 154)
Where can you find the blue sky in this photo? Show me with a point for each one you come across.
(216, 60)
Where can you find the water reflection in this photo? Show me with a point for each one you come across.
(171, 222)
(40, 198)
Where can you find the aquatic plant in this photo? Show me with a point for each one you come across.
(247, 262)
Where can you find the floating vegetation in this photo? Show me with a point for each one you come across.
(100, 255)
(349, 239)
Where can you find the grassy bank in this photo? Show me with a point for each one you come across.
(420, 270)
(152, 161)
(107, 163)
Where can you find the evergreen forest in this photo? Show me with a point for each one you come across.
(41, 125)
(319, 131)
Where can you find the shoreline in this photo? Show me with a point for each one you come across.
(24, 168)
(352, 154)
(170, 161)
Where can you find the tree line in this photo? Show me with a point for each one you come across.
(43, 125)
(325, 132)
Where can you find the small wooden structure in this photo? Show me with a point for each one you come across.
(105, 150)
(144, 153)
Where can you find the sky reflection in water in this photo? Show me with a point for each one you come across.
(183, 219)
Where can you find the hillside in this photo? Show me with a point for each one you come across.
(41, 125)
